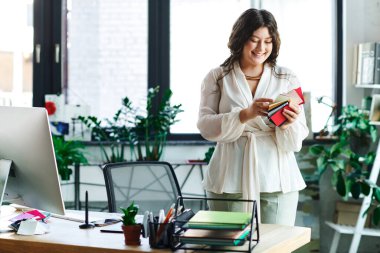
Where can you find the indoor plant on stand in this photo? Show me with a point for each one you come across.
(132, 231)
(153, 125)
(350, 158)
(144, 130)
(114, 132)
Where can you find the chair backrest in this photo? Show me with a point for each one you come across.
(151, 185)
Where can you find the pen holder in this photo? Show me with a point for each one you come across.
(161, 235)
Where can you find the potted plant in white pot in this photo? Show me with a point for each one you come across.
(131, 229)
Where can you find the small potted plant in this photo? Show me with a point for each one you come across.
(132, 231)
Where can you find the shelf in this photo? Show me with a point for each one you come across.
(350, 230)
(371, 86)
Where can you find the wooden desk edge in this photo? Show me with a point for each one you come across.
(303, 237)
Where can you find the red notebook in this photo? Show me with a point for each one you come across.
(282, 102)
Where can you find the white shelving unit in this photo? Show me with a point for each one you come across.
(358, 231)
(369, 86)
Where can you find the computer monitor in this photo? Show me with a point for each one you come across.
(25, 138)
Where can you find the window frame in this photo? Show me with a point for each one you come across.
(47, 72)
(47, 75)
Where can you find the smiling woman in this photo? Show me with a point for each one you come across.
(233, 113)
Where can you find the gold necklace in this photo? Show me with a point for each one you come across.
(250, 78)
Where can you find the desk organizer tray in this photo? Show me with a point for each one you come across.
(217, 230)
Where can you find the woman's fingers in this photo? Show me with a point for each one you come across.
(262, 108)
(292, 114)
(295, 107)
(264, 100)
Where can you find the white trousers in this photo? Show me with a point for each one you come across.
(275, 208)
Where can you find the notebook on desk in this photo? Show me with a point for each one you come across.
(219, 220)
(216, 237)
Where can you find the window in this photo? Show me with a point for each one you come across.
(107, 54)
(16, 46)
(199, 36)
(307, 42)
(107, 50)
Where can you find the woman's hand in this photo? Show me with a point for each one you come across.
(290, 115)
(259, 107)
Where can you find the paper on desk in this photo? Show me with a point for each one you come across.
(32, 227)
(28, 215)
(42, 228)
(27, 227)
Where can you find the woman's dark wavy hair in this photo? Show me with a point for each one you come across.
(245, 25)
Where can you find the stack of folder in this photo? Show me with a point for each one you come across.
(282, 102)
(218, 228)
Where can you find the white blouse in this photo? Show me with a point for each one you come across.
(255, 156)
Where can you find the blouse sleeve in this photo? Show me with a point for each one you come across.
(290, 139)
(215, 126)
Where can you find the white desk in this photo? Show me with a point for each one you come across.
(66, 237)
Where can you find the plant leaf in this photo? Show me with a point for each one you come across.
(377, 194)
(376, 216)
(355, 190)
(366, 189)
(321, 164)
(341, 184)
(316, 150)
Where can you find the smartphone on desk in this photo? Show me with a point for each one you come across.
(106, 222)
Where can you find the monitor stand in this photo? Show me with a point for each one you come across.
(5, 168)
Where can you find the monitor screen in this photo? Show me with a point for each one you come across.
(25, 139)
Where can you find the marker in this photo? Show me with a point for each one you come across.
(145, 224)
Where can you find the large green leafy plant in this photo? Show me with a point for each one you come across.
(152, 125)
(112, 133)
(144, 130)
(67, 153)
(350, 167)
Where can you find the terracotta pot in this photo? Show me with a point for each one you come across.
(132, 234)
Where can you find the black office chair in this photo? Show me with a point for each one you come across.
(151, 185)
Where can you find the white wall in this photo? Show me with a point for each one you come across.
(361, 24)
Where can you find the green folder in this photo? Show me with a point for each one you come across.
(219, 220)
(213, 237)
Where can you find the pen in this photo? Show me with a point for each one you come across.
(169, 214)
(145, 224)
(162, 227)
(161, 216)
(151, 218)
(111, 231)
